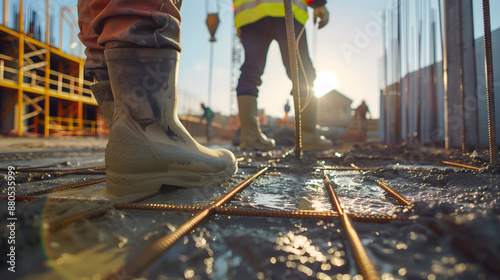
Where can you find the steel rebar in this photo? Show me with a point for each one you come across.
(363, 262)
(392, 192)
(490, 91)
(461, 165)
(145, 258)
(67, 187)
(294, 214)
(294, 71)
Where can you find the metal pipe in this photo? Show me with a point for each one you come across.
(145, 258)
(294, 71)
(363, 262)
(490, 91)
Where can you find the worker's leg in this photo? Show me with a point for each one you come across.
(311, 139)
(150, 24)
(256, 44)
(209, 130)
(148, 146)
(364, 132)
(95, 64)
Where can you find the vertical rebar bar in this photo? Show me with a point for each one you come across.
(490, 92)
(292, 55)
(398, 77)
(384, 94)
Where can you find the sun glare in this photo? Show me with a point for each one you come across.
(325, 82)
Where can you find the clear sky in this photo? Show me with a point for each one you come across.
(349, 47)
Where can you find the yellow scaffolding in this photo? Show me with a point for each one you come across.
(32, 76)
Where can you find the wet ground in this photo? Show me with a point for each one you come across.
(450, 230)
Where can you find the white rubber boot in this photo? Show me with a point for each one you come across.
(104, 96)
(311, 139)
(251, 137)
(148, 146)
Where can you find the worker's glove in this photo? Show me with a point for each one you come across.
(322, 14)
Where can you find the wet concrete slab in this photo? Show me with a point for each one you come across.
(77, 234)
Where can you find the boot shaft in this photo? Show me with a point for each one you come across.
(146, 85)
(309, 115)
(249, 113)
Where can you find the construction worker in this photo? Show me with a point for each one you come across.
(209, 115)
(259, 23)
(360, 114)
(132, 52)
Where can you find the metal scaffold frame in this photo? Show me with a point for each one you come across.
(50, 94)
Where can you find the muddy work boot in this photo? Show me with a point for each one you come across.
(104, 96)
(148, 146)
(311, 139)
(251, 137)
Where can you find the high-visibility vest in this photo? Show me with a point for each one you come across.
(249, 11)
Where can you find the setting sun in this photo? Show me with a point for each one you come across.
(325, 82)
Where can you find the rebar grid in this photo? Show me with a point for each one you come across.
(365, 266)
(145, 258)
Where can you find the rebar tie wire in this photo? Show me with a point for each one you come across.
(363, 262)
(145, 258)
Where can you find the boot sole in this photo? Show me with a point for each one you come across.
(120, 185)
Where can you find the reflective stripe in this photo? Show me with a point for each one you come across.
(253, 4)
(249, 11)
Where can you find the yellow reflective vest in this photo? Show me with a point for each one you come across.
(249, 11)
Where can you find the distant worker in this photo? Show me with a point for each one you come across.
(259, 23)
(132, 53)
(360, 113)
(209, 115)
(287, 109)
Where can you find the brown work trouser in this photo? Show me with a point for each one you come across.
(146, 23)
